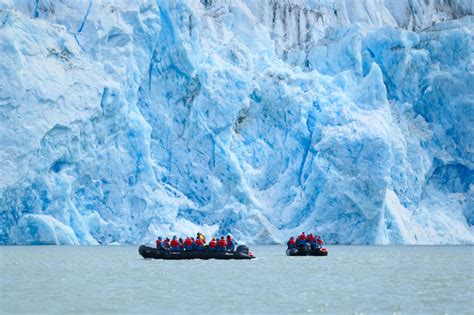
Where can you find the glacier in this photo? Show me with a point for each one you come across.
(125, 120)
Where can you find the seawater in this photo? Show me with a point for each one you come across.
(352, 279)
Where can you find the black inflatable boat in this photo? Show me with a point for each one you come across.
(242, 252)
(307, 252)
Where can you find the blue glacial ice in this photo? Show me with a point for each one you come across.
(121, 120)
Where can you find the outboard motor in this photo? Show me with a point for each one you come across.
(291, 251)
(307, 247)
(242, 249)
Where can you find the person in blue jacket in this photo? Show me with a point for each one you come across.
(160, 244)
(230, 243)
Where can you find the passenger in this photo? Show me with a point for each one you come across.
(175, 244)
(203, 238)
(188, 244)
(298, 242)
(158, 242)
(230, 243)
(199, 246)
(213, 245)
(166, 244)
(312, 241)
(222, 245)
(302, 240)
(181, 244)
(319, 240)
(303, 236)
(291, 243)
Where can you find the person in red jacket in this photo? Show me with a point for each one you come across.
(213, 245)
(175, 244)
(301, 240)
(319, 240)
(222, 245)
(188, 244)
(166, 244)
(199, 245)
(158, 243)
(311, 240)
(202, 237)
(291, 243)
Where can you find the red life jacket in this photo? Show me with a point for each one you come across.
(212, 244)
(167, 243)
(222, 243)
(199, 242)
(229, 242)
(310, 237)
(174, 243)
(158, 243)
(319, 240)
(291, 241)
(189, 242)
(303, 237)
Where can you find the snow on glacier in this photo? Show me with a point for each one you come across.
(123, 121)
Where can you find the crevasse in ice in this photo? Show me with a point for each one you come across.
(122, 120)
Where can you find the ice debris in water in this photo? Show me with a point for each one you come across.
(121, 121)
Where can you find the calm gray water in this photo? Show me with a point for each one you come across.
(352, 279)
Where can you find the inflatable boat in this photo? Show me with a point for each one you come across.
(307, 251)
(242, 252)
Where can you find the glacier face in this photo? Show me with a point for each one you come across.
(121, 121)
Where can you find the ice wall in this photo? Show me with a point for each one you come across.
(124, 120)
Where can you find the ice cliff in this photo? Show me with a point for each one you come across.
(124, 120)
